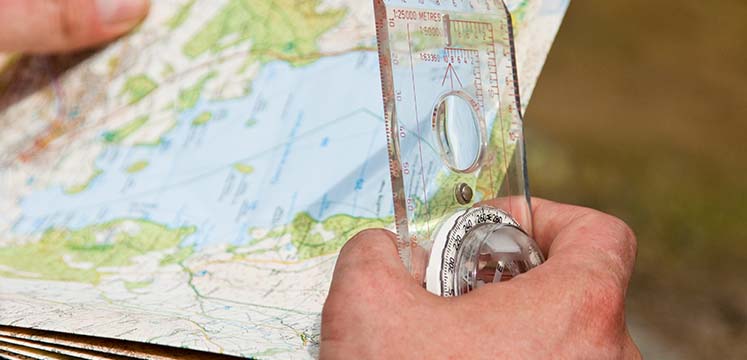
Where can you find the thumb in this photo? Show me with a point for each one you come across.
(369, 283)
(370, 255)
(368, 273)
(370, 265)
(42, 26)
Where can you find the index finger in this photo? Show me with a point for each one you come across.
(573, 236)
(580, 235)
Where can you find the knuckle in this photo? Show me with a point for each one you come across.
(367, 243)
(618, 240)
(69, 25)
(623, 230)
(72, 23)
(363, 259)
(625, 243)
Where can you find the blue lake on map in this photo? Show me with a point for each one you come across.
(313, 135)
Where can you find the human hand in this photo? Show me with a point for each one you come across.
(43, 26)
(570, 307)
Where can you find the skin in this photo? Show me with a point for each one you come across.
(46, 26)
(570, 307)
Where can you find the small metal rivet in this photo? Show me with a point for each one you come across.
(463, 194)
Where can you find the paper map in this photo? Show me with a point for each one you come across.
(191, 183)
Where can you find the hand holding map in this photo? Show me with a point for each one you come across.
(42, 26)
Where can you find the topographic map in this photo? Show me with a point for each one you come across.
(191, 183)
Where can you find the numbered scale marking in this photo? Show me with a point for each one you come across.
(454, 133)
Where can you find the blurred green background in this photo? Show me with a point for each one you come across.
(641, 111)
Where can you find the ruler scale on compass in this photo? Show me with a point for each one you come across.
(451, 105)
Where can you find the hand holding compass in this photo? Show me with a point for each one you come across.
(571, 307)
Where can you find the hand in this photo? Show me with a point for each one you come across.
(570, 307)
(42, 26)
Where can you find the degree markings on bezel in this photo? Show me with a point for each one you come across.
(471, 218)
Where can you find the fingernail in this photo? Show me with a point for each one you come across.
(118, 12)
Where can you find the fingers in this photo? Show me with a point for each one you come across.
(368, 268)
(42, 26)
(550, 219)
(370, 253)
(369, 278)
(576, 236)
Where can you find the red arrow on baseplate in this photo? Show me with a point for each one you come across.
(451, 73)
